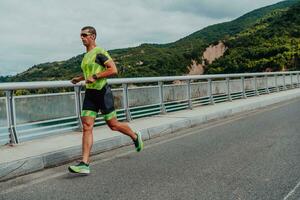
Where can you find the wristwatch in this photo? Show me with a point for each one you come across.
(95, 76)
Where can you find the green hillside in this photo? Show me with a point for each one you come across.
(273, 43)
(172, 59)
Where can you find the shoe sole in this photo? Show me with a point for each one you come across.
(141, 142)
(82, 171)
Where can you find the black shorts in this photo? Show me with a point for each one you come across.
(98, 100)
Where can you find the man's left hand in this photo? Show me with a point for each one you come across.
(90, 80)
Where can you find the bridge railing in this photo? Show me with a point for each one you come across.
(25, 117)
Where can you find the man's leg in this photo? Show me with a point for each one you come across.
(87, 137)
(115, 125)
(87, 143)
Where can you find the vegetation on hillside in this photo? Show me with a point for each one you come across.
(273, 43)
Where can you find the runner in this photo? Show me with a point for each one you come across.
(97, 65)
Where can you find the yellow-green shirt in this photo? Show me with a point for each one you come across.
(94, 62)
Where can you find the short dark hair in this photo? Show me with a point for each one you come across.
(91, 30)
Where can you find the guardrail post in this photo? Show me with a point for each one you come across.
(126, 101)
(298, 80)
(210, 93)
(228, 89)
(255, 86)
(284, 85)
(243, 87)
(292, 85)
(161, 97)
(189, 93)
(78, 103)
(11, 117)
(276, 83)
(267, 84)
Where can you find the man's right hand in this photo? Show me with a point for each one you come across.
(76, 79)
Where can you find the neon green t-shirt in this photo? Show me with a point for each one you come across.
(94, 62)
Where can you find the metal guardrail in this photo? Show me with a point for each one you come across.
(269, 82)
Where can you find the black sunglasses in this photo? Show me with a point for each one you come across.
(84, 34)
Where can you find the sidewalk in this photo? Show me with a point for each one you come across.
(42, 153)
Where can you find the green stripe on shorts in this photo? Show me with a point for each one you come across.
(88, 113)
(110, 115)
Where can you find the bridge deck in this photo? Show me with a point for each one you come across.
(46, 152)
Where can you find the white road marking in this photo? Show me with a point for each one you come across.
(292, 191)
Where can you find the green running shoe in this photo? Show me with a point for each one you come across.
(138, 143)
(81, 168)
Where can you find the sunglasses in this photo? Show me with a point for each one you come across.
(85, 34)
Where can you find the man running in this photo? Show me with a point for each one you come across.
(97, 65)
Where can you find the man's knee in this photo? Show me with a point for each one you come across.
(87, 126)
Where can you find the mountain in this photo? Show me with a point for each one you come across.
(254, 29)
(271, 44)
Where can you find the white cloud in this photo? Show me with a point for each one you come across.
(36, 31)
(217, 9)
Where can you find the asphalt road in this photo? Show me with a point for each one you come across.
(255, 155)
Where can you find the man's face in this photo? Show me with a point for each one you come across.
(86, 37)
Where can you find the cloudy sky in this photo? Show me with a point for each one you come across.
(38, 31)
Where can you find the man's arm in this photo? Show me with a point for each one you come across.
(77, 79)
(105, 60)
(111, 70)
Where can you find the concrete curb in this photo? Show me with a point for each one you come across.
(32, 164)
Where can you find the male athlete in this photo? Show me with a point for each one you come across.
(97, 65)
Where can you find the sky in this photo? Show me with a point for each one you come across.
(39, 31)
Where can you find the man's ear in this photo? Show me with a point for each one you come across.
(94, 36)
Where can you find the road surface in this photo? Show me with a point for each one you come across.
(255, 155)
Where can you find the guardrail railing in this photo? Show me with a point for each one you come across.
(26, 117)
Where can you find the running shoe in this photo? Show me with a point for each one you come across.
(80, 168)
(138, 143)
